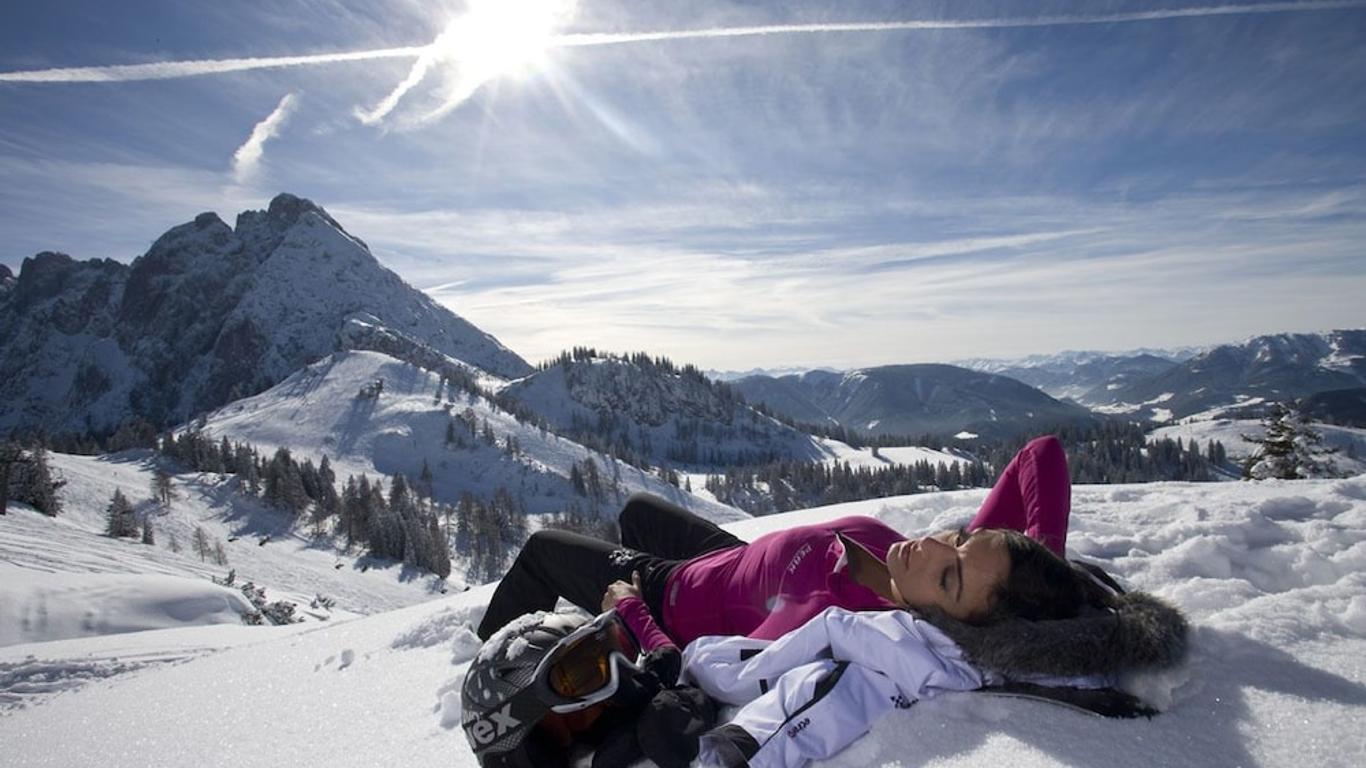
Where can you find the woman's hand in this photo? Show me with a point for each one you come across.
(620, 590)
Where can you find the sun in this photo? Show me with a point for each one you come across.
(492, 39)
(498, 38)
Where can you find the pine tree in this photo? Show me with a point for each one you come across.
(592, 479)
(328, 501)
(424, 481)
(199, 541)
(1290, 449)
(225, 450)
(576, 479)
(285, 484)
(10, 454)
(34, 485)
(351, 512)
(163, 491)
(148, 537)
(120, 519)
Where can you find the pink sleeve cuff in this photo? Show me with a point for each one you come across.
(634, 612)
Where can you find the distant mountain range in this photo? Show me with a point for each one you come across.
(913, 400)
(1081, 376)
(774, 372)
(1151, 386)
(1264, 369)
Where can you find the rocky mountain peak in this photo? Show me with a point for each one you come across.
(43, 275)
(287, 209)
(262, 231)
(207, 219)
(209, 314)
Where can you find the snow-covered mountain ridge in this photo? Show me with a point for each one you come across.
(209, 314)
(1265, 369)
(657, 413)
(416, 418)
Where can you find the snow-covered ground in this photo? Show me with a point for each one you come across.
(1273, 575)
(860, 458)
(39, 555)
(1158, 414)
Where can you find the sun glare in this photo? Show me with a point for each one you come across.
(497, 38)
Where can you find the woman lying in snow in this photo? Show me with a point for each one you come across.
(842, 670)
(676, 577)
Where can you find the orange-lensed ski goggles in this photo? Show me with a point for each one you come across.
(587, 666)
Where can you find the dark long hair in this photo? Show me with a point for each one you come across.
(1042, 586)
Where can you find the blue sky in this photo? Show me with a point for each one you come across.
(1018, 185)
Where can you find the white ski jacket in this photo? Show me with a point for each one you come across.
(812, 692)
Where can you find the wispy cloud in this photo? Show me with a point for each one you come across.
(247, 159)
(632, 277)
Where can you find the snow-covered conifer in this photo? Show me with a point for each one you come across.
(1289, 449)
(199, 542)
(31, 482)
(120, 519)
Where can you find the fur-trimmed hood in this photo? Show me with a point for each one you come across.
(1142, 632)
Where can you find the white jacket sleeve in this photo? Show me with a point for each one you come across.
(813, 712)
(812, 692)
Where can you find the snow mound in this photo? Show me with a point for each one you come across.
(38, 607)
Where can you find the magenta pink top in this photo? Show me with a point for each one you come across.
(766, 588)
(781, 579)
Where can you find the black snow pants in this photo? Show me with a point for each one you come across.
(656, 537)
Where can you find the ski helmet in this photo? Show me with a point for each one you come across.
(539, 664)
(498, 700)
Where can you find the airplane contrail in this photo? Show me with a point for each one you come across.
(166, 70)
(177, 69)
(614, 38)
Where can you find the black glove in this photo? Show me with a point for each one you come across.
(669, 728)
(665, 664)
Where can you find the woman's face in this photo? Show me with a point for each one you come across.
(954, 571)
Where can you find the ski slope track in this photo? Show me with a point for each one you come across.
(1272, 574)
